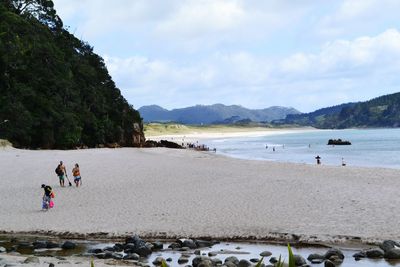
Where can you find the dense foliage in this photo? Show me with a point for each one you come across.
(55, 91)
(382, 111)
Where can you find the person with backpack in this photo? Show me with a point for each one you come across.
(61, 171)
(47, 197)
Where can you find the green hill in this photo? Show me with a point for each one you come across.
(55, 91)
(383, 111)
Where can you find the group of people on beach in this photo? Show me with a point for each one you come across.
(61, 172)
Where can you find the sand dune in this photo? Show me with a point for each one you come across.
(186, 193)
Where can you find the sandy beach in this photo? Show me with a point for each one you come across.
(182, 193)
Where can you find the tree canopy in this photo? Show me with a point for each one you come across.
(55, 91)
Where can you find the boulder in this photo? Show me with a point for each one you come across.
(51, 244)
(315, 256)
(189, 243)
(299, 260)
(39, 244)
(117, 256)
(174, 245)
(273, 260)
(229, 264)
(118, 247)
(216, 261)
(144, 251)
(334, 252)
(374, 253)
(244, 263)
(328, 263)
(157, 245)
(389, 244)
(111, 249)
(392, 254)
(212, 254)
(265, 253)
(131, 256)
(68, 245)
(183, 260)
(158, 260)
(232, 259)
(197, 252)
(254, 260)
(359, 255)
(95, 250)
(200, 261)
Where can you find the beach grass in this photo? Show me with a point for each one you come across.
(4, 143)
(157, 129)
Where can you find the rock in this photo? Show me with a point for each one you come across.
(157, 245)
(129, 248)
(229, 264)
(254, 260)
(51, 264)
(317, 261)
(216, 262)
(117, 256)
(51, 244)
(388, 245)
(200, 261)
(169, 259)
(39, 244)
(118, 247)
(299, 260)
(392, 254)
(273, 260)
(374, 253)
(143, 251)
(360, 254)
(68, 245)
(203, 243)
(315, 256)
(32, 260)
(244, 263)
(197, 252)
(158, 260)
(334, 252)
(110, 249)
(188, 243)
(132, 256)
(232, 259)
(183, 260)
(335, 259)
(212, 254)
(3, 250)
(95, 250)
(328, 263)
(174, 245)
(265, 253)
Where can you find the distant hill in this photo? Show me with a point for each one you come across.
(383, 111)
(214, 114)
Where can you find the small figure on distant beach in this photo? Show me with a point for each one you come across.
(61, 172)
(309, 145)
(343, 162)
(266, 146)
(273, 149)
(77, 175)
(47, 196)
(318, 158)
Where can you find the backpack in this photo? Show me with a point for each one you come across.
(59, 171)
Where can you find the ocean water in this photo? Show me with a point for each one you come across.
(369, 148)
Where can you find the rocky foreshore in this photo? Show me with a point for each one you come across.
(191, 252)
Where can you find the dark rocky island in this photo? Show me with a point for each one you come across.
(338, 142)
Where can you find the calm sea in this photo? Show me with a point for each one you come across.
(372, 147)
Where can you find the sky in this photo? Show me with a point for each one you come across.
(305, 54)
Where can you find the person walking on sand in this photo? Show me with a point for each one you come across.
(61, 171)
(77, 175)
(47, 196)
(318, 158)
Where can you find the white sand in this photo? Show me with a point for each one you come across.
(186, 193)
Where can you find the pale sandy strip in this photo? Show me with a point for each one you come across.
(187, 193)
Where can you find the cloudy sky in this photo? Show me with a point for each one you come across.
(305, 54)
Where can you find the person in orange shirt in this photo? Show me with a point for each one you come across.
(77, 175)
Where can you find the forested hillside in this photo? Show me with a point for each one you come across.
(383, 111)
(55, 91)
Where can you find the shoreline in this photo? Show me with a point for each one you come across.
(165, 193)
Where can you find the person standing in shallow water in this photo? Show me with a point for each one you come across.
(318, 158)
(77, 175)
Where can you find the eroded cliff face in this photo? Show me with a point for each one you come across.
(138, 139)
